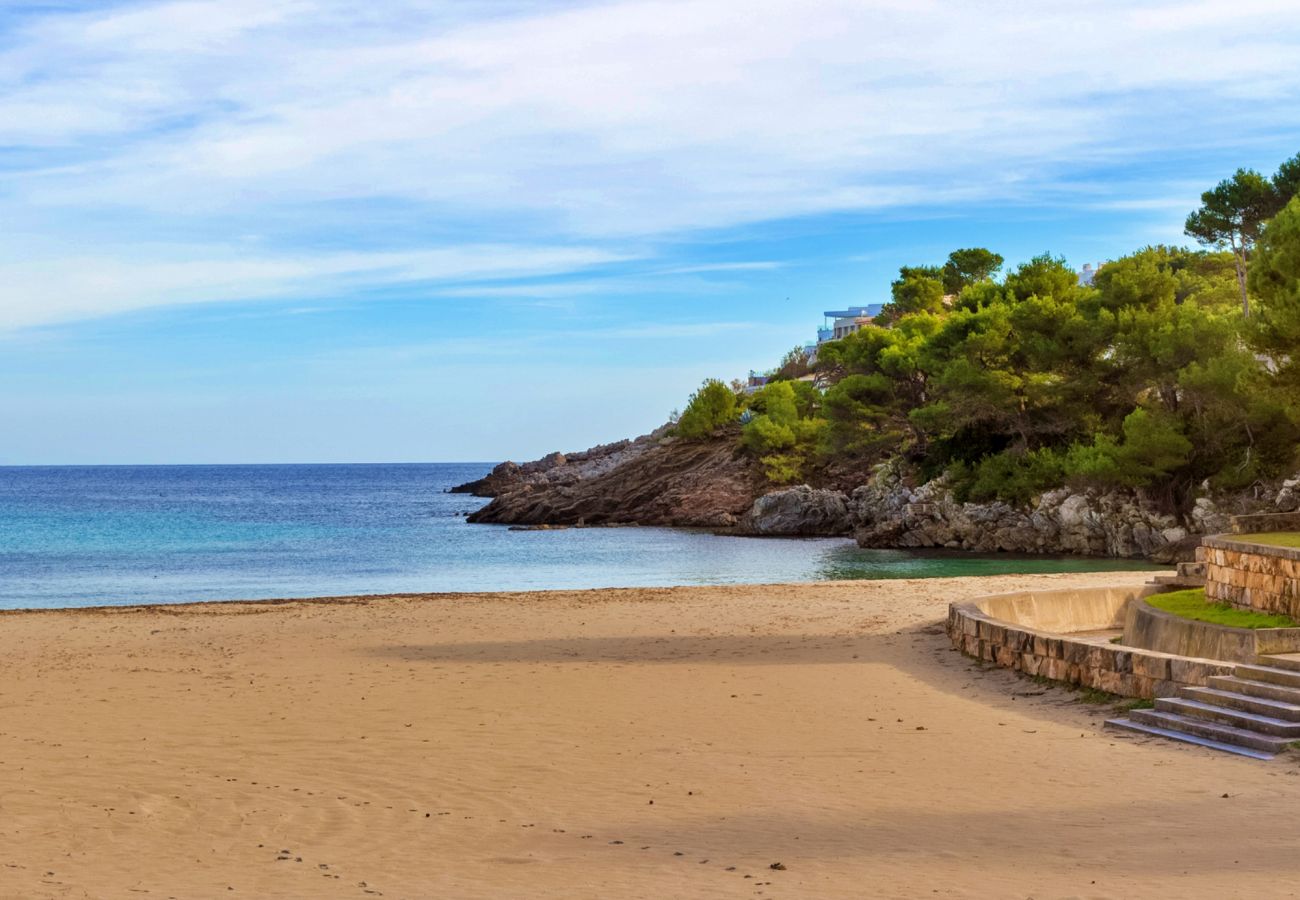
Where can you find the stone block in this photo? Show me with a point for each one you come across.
(1109, 681)
(1166, 688)
(1148, 666)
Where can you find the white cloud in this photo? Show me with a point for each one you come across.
(644, 118)
(57, 289)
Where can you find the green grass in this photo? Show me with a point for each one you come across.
(1131, 705)
(1193, 605)
(1273, 538)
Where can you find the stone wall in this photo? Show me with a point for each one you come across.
(1259, 523)
(1253, 576)
(1127, 671)
(1154, 629)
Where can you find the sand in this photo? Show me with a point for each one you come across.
(621, 743)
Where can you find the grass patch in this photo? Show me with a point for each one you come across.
(1097, 697)
(1193, 605)
(1135, 704)
(1273, 538)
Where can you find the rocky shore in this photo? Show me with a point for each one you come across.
(652, 480)
(658, 480)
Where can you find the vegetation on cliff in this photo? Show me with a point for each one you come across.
(1175, 366)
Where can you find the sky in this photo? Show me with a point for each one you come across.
(407, 230)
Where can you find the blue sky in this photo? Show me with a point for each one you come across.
(315, 230)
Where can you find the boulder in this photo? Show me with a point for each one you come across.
(801, 510)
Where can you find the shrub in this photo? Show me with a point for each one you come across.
(710, 408)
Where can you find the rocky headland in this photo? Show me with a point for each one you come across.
(660, 480)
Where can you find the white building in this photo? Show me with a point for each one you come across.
(843, 322)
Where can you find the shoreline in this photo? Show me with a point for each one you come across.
(595, 743)
(354, 599)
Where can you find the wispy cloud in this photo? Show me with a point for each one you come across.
(44, 291)
(585, 124)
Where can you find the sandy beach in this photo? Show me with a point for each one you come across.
(620, 743)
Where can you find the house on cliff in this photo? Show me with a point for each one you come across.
(843, 322)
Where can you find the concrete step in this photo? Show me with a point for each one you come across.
(1266, 689)
(1196, 569)
(1237, 718)
(1181, 582)
(1262, 706)
(1272, 674)
(1211, 731)
(1155, 731)
(1281, 661)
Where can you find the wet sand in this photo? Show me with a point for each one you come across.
(618, 743)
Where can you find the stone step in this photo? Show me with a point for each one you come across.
(1155, 731)
(1212, 731)
(1182, 582)
(1288, 677)
(1276, 709)
(1266, 689)
(1281, 661)
(1237, 718)
(1196, 569)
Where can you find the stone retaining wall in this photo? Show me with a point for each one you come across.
(978, 629)
(1253, 576)
(1263, 522)
(1154, 629)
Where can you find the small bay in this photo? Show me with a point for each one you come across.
(106, 535)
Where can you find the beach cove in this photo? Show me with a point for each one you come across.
(636, 742)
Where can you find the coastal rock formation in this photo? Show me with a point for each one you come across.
(653, 480)
(801, 510)
(658, 480)
(508, 474)
(889, 513)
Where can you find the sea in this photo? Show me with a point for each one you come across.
(111, 535)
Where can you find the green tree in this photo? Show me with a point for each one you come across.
(1275, 279)
(918, 289)
(710, 408)
(1231, 215)
(1154, 446)
(783, 434)
(1286, 183)
(969, 266)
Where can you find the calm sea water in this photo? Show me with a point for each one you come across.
(77, 536)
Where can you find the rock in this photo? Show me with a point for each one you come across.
(659, 480)
(1288, 496)
(653, 480)
(801, 510)
(888, 513)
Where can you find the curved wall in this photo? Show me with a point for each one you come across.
(1031, 633)
(1253, 576)
(1154, 629)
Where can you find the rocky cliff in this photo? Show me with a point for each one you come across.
(657, 480)
(653, 480)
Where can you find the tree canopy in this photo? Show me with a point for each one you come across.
(1151, 377)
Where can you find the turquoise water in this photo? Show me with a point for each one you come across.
(78, 536)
